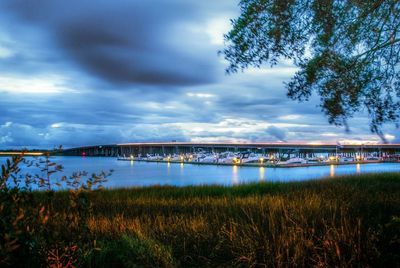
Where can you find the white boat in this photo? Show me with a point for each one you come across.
(209, 159)
(346, 159)
(173, 157)
(197, 157)
(314, 159)
(294, 160)
(372, 158)
(227, 157)
(250, 158)
(154, 157)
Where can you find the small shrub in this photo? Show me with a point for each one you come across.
(131, 251)
(35, 230)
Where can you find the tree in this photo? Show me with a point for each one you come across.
(347, 51)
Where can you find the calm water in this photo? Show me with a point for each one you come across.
(128, 173)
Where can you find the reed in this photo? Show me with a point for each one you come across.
(343, 222)
(346, 222)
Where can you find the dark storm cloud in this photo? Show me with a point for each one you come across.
(140, 42)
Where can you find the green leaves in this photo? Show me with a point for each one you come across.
(354, 49)
(34, 226)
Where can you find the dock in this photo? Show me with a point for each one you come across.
(386, 152)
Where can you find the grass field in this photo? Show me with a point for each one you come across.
(349, 221)
(341, 222)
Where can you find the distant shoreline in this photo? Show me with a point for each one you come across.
(14, 153)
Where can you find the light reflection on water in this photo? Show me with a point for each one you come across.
(168, 168)
(133, 173)
(332, 171)
(235, 179)
(182, 169)
(262, 173)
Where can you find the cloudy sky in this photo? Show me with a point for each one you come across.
(78, 73)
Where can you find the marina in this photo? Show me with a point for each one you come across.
(304, 163)
(245, 154)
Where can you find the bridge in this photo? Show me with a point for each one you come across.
(166, 148)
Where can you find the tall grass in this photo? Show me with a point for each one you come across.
(342, 222)
(349, 221)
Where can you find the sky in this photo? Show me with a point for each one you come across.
(76, 73)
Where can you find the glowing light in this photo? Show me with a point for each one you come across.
(358, 168)
(235, 179)
(22, 153)
(261, 160)
(262, 173)
(131, 157)
(332, 171)
(235, 161)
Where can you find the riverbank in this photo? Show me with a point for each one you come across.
(346, 221)
(20, 153)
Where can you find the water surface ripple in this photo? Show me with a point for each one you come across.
(128, 173)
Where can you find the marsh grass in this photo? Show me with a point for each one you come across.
(346, 222)
(342, 222)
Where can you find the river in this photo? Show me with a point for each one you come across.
(133, 173)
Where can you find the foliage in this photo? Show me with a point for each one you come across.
(34, 231)
(131, 251)
(348, 52)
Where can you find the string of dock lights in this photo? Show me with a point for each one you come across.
(183, 159)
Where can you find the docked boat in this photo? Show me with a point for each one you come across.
(154, 157)
(227, 158)
(294, 160)
(372, 158)
(209, 159)
(346, 159)
(173, 158)
(249, 157)
(314, 159)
